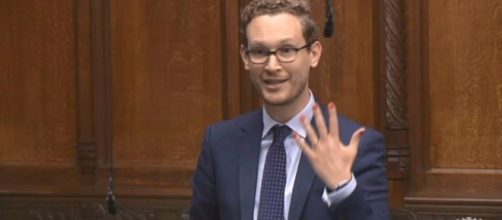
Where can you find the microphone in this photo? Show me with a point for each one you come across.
(329, 25)
(110, 197)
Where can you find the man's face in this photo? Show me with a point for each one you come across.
(277, 82)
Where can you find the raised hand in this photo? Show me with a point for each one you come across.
(331, 159)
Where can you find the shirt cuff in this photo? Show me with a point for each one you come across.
(335, 197)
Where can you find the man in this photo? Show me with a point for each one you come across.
(293, 159)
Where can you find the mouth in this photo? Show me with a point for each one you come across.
(274, 83)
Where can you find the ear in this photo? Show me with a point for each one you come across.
(244, 57)
(315, 53)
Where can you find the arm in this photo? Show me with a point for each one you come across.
(203, 186)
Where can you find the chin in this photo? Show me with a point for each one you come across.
(275, 100)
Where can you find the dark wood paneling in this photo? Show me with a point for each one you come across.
(465, 84)
(454, 68)
(345, 72)
(38, 126)
(90, 208)
(37, 91)
(86, 132)
(167, 86)
(231, 61)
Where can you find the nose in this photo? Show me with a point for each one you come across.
(272, 63)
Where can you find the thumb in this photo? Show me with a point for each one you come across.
(356, 138)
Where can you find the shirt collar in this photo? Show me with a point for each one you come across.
(294, 123)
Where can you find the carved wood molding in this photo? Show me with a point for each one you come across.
(86, 132)
(94, 211)
(93, 82)
(395, 89)
(394, 65)
(136, 213)
(94, 98)
(53, 213)
(453, 217)
(405, 214)
(87, 157)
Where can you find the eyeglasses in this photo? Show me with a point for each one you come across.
(284, 54)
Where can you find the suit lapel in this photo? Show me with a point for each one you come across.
(304, 178)
(249, 153)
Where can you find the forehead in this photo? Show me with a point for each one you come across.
(275, 29)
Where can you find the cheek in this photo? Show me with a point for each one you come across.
(254, 75)
(299, 72)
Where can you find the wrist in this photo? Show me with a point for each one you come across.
(338, 185)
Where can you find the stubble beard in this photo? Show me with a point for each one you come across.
(288, 100)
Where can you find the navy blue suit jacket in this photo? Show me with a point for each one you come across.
(224, 183)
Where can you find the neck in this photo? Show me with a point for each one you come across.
(285, 112)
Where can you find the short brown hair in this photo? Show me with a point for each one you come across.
(299, 8)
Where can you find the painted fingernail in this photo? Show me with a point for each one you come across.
(315, 107)
(302, 118)
(331, 105)
(295, 135)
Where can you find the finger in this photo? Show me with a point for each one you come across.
(303, 145)
(319, 121)
(356, 138)
(333, 121)
(311, 135)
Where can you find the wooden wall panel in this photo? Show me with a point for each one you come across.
(166, 88)
(38, 96)
(38, 81)
(465, 83)
(346, 72)
(454, 83)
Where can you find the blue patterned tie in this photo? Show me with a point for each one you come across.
(274, 178)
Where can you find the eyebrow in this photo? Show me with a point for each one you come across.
(287, 41)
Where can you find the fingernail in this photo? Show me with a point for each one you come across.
(315, 107)
(331, 106)
(302, 118)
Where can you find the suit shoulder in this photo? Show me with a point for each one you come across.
(236, 122)
(230, 126)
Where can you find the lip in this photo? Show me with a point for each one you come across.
(274, 84)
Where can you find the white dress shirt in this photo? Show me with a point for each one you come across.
(293, 155)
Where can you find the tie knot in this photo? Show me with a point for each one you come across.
(281, 132)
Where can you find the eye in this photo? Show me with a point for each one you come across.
(286, 50)
(258, 52)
